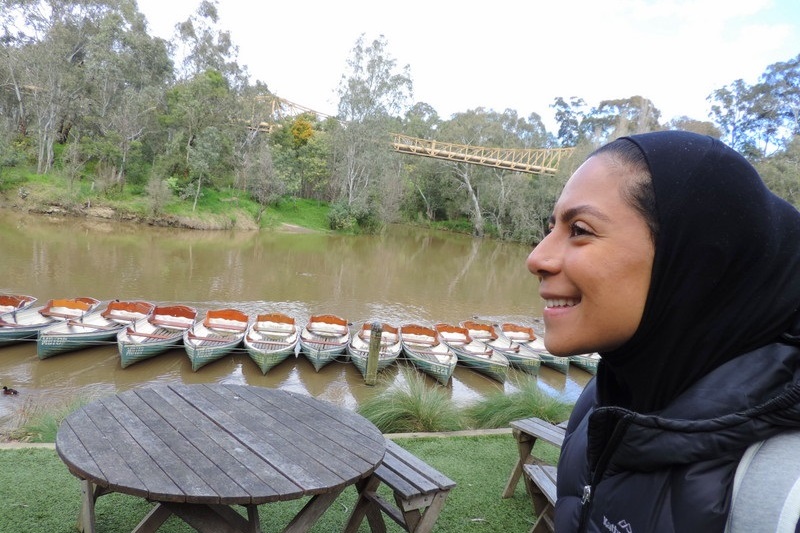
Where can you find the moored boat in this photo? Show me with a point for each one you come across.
(154, 334)
(472, 353)
(271, 339)
(388, 352)
(97, 327)
(587, 362)
(529, 342)
(524, 360)
(324, 338)
(17, 326)
(421, 346)
(15, 302)
(218, 334)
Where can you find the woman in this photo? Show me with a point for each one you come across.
(669, 256)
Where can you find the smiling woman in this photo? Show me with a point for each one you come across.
(669, 256)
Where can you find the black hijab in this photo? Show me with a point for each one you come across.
(726, 271)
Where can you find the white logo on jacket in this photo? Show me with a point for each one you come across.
(620, 527)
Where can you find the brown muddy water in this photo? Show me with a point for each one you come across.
(404, 275)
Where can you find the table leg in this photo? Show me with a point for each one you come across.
(86, 518)
(210, 518)
(150, 523)
(89, 494)
(312, 512)
(525, 444)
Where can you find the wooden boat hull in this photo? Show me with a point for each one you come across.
(154, 335)
(520, 359)
(271, 339)
(587, 363)
(422, 347)
(529, 343)
(22, 325)
(216, 336)
(390, 349)
(93, 329)
(474, 354)
(323, 339)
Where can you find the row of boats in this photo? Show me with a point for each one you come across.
(143, 330)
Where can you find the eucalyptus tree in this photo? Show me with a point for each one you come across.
(373, 93)
(569, 115)
(71, 61)
(730, 110)
(622, 116)
(426, 178)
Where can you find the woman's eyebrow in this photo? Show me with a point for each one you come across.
(573, 212)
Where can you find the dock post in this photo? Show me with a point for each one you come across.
(371, 375)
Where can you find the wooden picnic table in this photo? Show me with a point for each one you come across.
(197, 450)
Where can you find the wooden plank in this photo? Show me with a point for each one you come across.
(238, 462)
(540, 429)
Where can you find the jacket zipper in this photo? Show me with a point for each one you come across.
(597, 473)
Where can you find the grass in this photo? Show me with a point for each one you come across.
(414, 406)
(37, 493)
(411, 407)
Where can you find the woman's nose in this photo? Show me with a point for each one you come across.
(542, 261)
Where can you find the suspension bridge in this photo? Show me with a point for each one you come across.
(531, 161)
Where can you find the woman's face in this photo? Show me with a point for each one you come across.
(594, 266)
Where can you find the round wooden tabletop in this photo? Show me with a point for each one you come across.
(211, 443)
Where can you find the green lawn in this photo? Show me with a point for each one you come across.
(38, 494)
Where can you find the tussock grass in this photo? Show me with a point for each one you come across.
(39, 422)
(498, 409)
(413, 406)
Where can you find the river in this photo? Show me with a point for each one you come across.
(402, 275)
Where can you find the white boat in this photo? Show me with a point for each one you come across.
(421, 346)
(525, 360)
(474, 354)
(528, 341)
(587, 362)
(389, 350)
(154, 334)
(217, 335)
(324, 338)
(95, 328)
(21, 325)
(15, 302)
(271, 339)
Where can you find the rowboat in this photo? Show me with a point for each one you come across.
(587, 362)
(154, 334)
(271, 339)
(217, 335)
(472, 353)
(530, 343)
(388, 352)
(421, 346)
(17, 326)
(97, 327)
(324, 338)
(487, 334)
(15, 302)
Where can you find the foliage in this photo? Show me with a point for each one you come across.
(40, 423)
(411, 407)
(497, 410)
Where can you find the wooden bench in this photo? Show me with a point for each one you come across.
(526, 432)
(543, 496)
(419, 493)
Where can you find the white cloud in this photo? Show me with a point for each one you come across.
(511, 54)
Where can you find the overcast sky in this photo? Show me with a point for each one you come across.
(501, 54)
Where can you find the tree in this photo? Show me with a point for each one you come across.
(569, 116)
(730, 109)
(625, 116)
(372, 95)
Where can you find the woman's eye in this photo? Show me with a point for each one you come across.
(577, 230)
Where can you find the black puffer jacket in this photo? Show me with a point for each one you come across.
(673, 471)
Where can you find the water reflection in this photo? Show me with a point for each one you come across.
(403, 275)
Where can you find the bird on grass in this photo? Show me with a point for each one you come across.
(8, 391)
